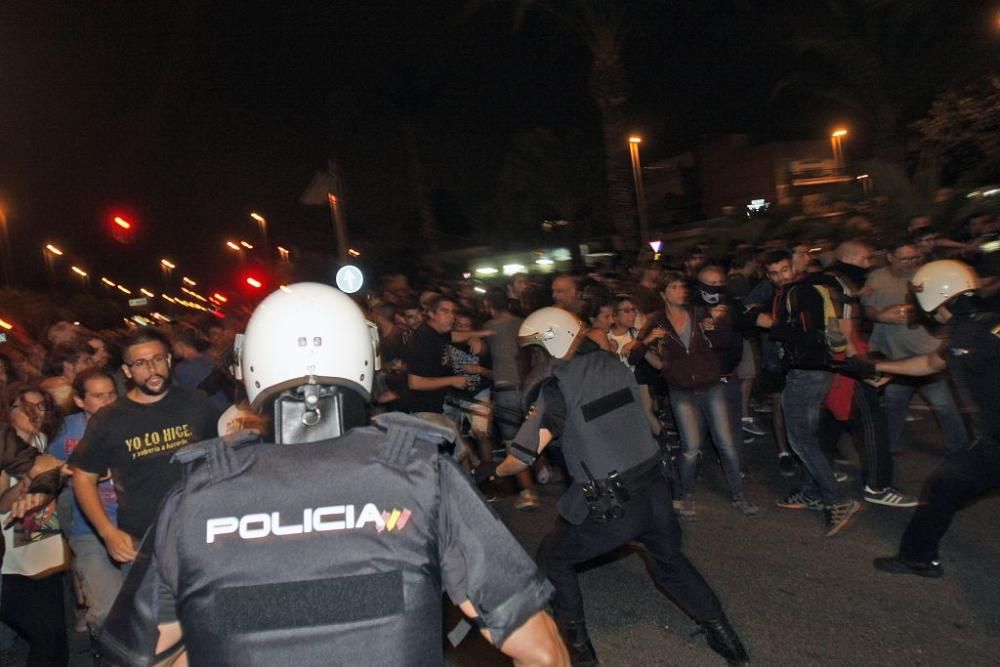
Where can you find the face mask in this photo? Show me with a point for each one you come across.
(711, 295)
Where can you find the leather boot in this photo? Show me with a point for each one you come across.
(581, 650)
(722, 639)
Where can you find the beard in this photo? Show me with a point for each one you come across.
(162, 389)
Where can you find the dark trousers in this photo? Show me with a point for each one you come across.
(650, 519)
(34, 609)
(867, 426)
(962, 478)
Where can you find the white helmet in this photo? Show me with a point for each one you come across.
(552, 328)
(935, 283)
(307, 333)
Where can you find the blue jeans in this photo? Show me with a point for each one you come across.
(100, 577)
(802, 401)
(937, 392)
(717, 409)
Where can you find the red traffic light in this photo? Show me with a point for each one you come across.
(123, 227)
(253, 282)
(122, 222)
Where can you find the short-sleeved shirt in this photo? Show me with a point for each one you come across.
(427, 355)
(135, 441)
(504, 349)
(61, 447)
(895, 341)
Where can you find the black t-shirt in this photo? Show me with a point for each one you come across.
(135, 441)
(427, 355)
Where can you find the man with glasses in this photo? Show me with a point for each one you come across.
(135, 439)
(898, 334)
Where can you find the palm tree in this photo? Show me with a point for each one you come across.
(604, 26)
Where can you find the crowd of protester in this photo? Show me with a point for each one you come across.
(718, 339)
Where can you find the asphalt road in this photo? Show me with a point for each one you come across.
(795, 596)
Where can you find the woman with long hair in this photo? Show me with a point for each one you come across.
(31, 601)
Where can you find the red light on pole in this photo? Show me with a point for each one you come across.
(122, 222)
(253, 282)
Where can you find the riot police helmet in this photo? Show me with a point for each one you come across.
(936, 283)
(310, 351)
(551, 328)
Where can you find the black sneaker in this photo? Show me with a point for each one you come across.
(896, 565)
(722, 638)
(786, 465)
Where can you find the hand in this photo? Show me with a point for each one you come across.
(471, 369)
(460, 381)
(765, 320)
(29, 503)
(486, 471)
(656, 334)
(708, 324)
(120, 545)
(898, 314)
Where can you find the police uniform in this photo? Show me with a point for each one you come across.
(328, 553)
(619, 490)
(972, 355)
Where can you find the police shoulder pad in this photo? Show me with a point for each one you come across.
(421, 429)
(221, 452)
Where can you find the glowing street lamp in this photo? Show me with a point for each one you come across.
(146, 292)
(640, 193)
(246, 245)
(262, 224)
(78, 271)
(233, 246)
(836, 139)
(167, 264)
(188, 281)
(49, 254)
(107, 281)
(283, 253)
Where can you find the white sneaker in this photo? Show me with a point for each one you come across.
(889, 497)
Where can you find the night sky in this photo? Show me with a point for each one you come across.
(186, 116)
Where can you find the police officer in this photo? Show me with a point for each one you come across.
(619, 490)
(332, 551)
(947, 290)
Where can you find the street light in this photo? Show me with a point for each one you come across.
(836, 139)
(640, 194)
(246, 245)
(49, 254)
(262, 224)
(188, 281)
(78, 271)
(283, 253)
(233, 246)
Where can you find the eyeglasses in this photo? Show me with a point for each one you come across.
(627, 310)
(914, 258)
(144, 364)
(39, 407)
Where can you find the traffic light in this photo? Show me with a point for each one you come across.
(122, 228)
(254, 282)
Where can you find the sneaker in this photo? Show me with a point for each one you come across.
(839, 516)
(796, 500)
(744, 506)
(722, 638)
(786, 465)
(748, 439)
(840, 476)
(544, 475)
(896, 565)
(526, 500)
(751, 426)
(687, 509)
(889, 497)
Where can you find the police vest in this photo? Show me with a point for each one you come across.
(605, 426)
(312, 554)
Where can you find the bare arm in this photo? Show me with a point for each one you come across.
(536, 642)
(927, 364)
(512, 465)
(420, 383)
(119, 544)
